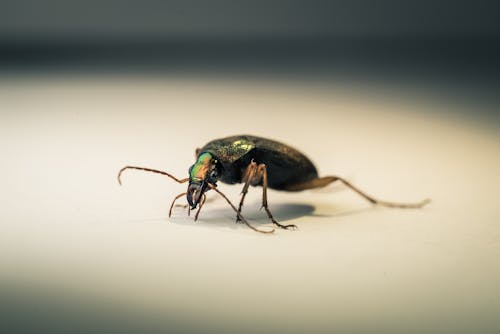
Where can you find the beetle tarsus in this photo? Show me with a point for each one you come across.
(285, 227)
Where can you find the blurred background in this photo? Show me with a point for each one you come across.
(458, 38)
(401, 97)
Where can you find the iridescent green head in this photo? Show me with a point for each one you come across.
(205, 170)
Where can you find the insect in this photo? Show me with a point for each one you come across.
(254, 161)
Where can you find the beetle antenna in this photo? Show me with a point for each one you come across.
(212, 186)
(150, 170)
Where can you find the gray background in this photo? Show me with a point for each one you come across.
(150, 18)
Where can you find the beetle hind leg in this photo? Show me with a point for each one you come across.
(324, 181)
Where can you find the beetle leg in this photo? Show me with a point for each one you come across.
(214, 187)
(323, 181)
(248, 177)
(172, 205)
(262, 173)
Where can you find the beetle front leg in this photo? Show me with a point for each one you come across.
(173, 202)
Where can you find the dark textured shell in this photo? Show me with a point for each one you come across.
(285, 165)
(230, 149)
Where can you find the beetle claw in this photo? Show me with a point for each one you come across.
(291, 227)
(238, 219)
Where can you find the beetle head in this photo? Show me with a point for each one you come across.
(205, 171)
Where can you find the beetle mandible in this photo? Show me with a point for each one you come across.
(255, 161)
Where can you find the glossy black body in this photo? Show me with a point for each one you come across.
(286, 166)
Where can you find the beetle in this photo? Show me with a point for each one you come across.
(254, 161)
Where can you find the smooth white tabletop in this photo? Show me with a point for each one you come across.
(72, 239)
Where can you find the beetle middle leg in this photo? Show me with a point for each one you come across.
(254, 175)
(262, 173)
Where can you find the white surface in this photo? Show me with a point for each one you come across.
(68, 229)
